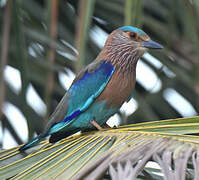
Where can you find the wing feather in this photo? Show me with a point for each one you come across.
(84, 91)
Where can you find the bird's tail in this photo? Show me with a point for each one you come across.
(31, 143)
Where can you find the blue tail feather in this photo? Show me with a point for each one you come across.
(31, 143)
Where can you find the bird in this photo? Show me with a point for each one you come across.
(99, 90)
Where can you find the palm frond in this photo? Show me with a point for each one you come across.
(122, 151)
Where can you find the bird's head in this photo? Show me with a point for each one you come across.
(127, 44)
(138, 38)
(133, 36)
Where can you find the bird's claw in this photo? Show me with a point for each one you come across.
(95, 124)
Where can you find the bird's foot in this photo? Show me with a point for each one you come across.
(94, 123)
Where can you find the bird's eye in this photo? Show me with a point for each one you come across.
(133, 35)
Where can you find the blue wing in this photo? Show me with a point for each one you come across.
(84, 91)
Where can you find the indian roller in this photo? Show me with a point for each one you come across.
(100, 89)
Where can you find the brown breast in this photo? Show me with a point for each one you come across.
(118, 89)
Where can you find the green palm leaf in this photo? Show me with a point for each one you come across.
(122, 151)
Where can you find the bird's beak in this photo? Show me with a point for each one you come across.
(151, 45)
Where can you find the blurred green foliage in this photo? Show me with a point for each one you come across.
(171, 23)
